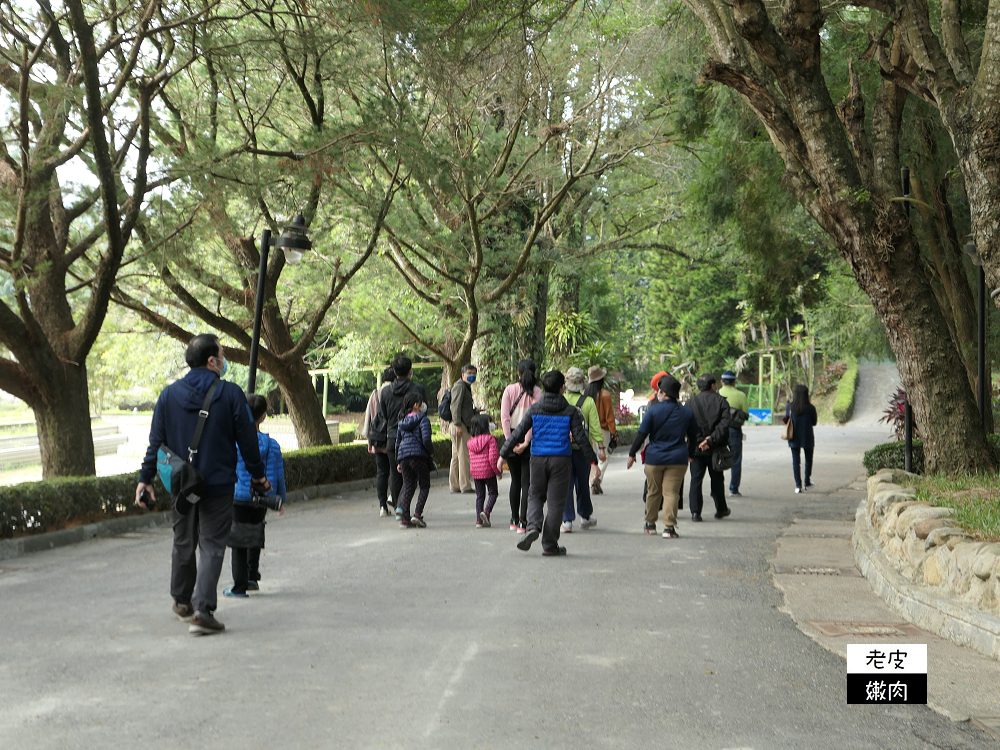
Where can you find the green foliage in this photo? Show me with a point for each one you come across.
(52, 504)
(893, 455)
(566, 332)
(843, 405)
(974, 498)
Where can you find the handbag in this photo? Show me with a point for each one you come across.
(180, 478)
(788, 431)
(722, 458)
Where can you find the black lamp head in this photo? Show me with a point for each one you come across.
(294, 241)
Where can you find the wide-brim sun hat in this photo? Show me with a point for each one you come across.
(595, 373)
(575, 379)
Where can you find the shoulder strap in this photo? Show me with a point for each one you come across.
(202, 418)
(516, 402)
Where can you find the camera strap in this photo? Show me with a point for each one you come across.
(202, 418)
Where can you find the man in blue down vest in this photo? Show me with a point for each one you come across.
(551, 421)
(205, 526)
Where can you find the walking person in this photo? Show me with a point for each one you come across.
(375, 431)
(462, 412)
(673, 438)
(391, 409)
(606, 415)
(552, 420)
(712, 414)
(221, 407)
(802, 415)
(246, 538)
(415, 453)
(485, 467)
(518, 398)
(580, 468)
(739, 412)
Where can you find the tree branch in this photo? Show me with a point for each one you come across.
(417, 339)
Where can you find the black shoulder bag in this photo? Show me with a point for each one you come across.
(180, 478)
(378, 430)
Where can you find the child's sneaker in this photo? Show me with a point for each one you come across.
(399, 514)
(479, 524)
(405, 523)
(567, 527)
(484, 519)
(419, 522)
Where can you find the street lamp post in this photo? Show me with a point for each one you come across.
(907, 409)
(293, 242)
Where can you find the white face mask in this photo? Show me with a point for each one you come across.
(493, 427)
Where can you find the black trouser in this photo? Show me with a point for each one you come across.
(395, 478)
(717, 481)
(416, 471)
(204, 528)
(246, 560)
(795, 466)
(549, 486)
(520, 481)
(382, 478)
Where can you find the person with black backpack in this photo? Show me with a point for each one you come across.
(712, 454)
(517, 399)
(375, 430)
(391, 399)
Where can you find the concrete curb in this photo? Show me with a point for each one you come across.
(25, 545)
(946, 617)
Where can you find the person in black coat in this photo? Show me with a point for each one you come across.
(803, 417)
(712, 413)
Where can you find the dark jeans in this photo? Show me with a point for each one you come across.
(579, 478)
(549, 482)
(395, 478)
(520, 480)
(736, 448)
(382, 478)
(246, 560)
(717, 481)
(205, 528)
(795, 465)
(485, 488)
(415, 471)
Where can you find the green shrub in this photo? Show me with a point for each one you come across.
(843, 405)
(348, 436)
(893, 455)
(626, 435)
(52, 504)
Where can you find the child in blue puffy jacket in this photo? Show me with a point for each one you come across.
(248, 520)
(415, 454)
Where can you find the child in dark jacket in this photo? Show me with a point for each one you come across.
(415, 454)
(247, 519)
(483, 459)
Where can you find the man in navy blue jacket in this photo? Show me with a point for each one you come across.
(206, 524)
(552, 420)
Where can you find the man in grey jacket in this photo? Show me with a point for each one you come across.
(462, 412)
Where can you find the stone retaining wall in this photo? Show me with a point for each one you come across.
(938, 564)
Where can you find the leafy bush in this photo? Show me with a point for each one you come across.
(895, 414)
(893, 455)
(52, 504)
(830, 378)
(843, 405)
(626, 434)
(623, 416)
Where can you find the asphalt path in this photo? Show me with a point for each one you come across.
(365, 635)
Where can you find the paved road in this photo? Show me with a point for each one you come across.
(368, 636)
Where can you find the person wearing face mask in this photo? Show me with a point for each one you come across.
(205, 525)
(462, 413)
(673, 438)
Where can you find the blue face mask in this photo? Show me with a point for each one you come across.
(423, 408)
(225, 368)
(470, 378)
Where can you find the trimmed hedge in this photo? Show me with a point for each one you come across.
(626, 436)
(847, 389)
(53, 504)
(893, 455)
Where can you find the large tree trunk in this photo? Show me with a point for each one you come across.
(297, 387)
(536, 345)
(63, 420)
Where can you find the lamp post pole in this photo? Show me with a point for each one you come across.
(258, 312)
(293, 242)
(907, 409)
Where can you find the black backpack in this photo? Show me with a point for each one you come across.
(378, 431)
(444, 408)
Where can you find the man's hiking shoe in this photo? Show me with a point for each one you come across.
(567, 527)
(484, 518)
(649, 528)
(253, 586)
(588, 523)
(557, 552)
(183, 611)
(670, 533)
(724, 513)
(229, 593)
(696, 516)
(204, 623)
(530, 536)
(419, 522)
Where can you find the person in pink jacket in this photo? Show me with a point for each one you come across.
(484, 455)
(517, 399)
